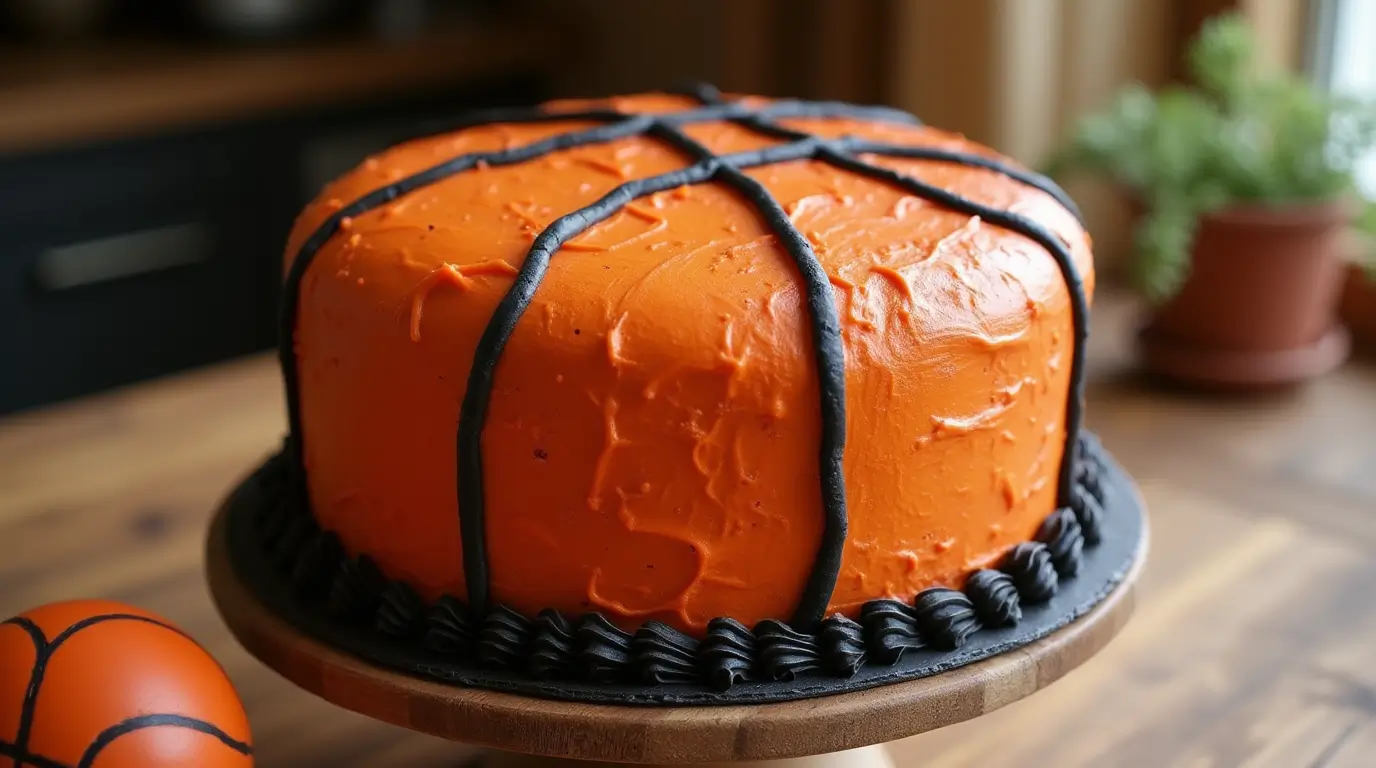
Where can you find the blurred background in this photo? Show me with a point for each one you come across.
(154, 152)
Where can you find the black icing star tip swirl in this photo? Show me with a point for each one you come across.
(843, 645)
(604, 649)
(356, 590)
(552, 651)
(727, 654)
(1089, 512)
(995, 598)
(313, 571)
(946, 616)
(786, 653)
(504, 640)
(400, 612)
(664, 654)
(1033, 572)
(1060, 532)
(449, 627)
(890, 630)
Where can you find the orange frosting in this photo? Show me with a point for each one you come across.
(651, 448)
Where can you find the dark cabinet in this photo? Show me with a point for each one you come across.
(134, 259)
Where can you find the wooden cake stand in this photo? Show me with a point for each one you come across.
(844, 729)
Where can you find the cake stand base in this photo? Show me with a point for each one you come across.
(840, 729)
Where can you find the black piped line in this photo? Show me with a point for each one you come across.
(40, 645)
(21, 757)
(141, 722)
(34, 631)
(620, 126)
(760, 122)
(45, 651)
(1079, 304)
(291, 297)
(830, 358)
(478, 394)
(937, 154)
(838, 154)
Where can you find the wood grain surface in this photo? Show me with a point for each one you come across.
(1252, 642)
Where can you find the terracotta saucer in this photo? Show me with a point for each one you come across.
(1211, 368)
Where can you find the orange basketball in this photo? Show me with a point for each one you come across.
(106, 685)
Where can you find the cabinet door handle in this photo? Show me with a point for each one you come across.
(129, 254)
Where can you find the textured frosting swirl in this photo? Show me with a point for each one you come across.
(890, 630)
(357, 588)
(843, 645)
(664, 654)
(552, 649)
(504, 640)
(947, 617)
(604, 649)
(1030, 566)
(728, 653)
(449, 627)
(995, 597)
(1061, 534)
(400, 611)
(315, 567)
(785, 652)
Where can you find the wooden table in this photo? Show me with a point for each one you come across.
(1254, 642)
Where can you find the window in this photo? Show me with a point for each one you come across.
(1345, 60)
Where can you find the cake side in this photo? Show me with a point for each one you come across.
(651, 446)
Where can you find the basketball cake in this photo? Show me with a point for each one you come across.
(684, 397)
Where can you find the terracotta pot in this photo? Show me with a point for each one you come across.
(1358, 307)
(1258, 307)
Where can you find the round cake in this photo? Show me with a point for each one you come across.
(677, 358)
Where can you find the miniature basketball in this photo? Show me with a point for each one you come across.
(106, 685)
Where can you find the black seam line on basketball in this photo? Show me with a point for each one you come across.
(91, 621)
(21, 758)
(34, 631)
(1065, 261)
(618, 126)
(830, 359)
(512, 306)
(760, 123)
(26, 709)
(835, 154)
(105, 737)
(45, 654)
(1030, 178)
(829, 352)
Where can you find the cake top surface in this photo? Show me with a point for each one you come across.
(906, 283)
(487, 219)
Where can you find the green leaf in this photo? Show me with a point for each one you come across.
(1163, 240)
(1235, 138)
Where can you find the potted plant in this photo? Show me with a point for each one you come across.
(1357, 308)
(1243, 188)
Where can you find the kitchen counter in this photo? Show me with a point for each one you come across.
(1252, 642)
